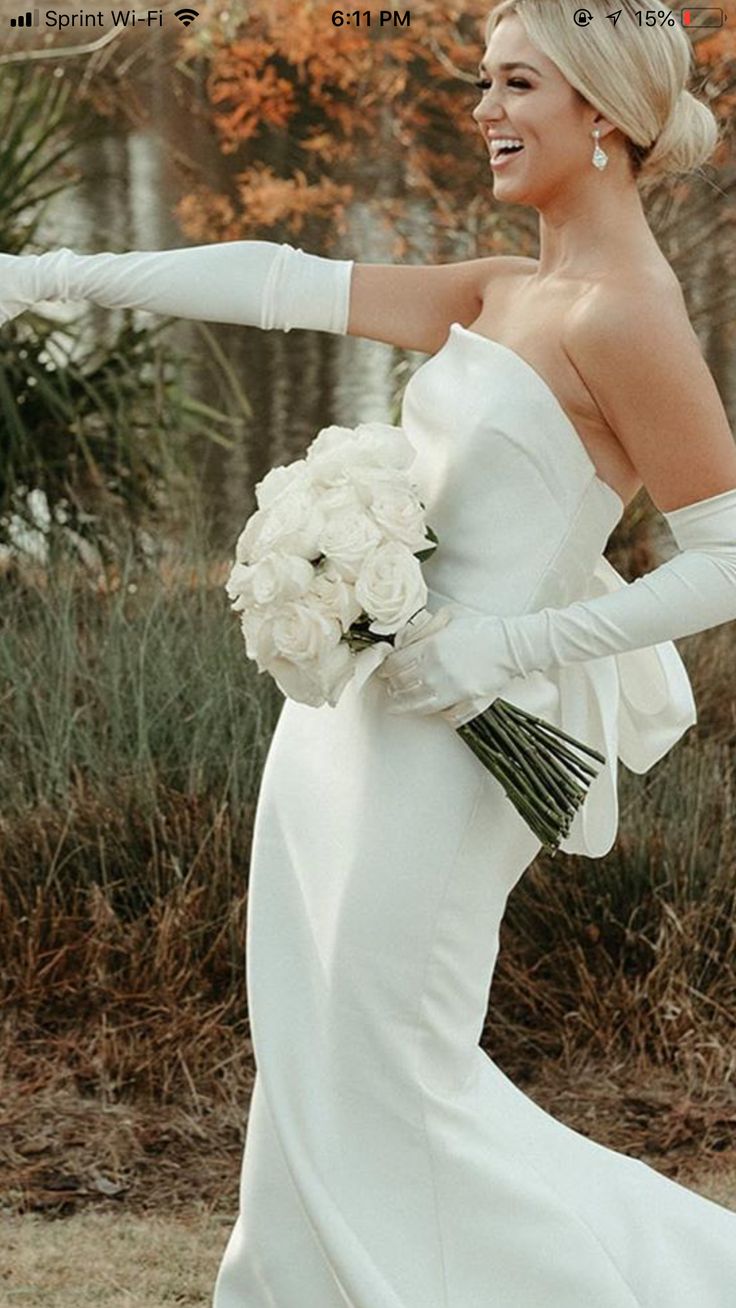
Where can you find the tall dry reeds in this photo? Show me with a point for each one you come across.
(133, 735)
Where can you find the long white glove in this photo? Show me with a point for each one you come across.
(474, 657)
(253, 283)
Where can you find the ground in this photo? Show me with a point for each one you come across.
(113, 1260)
(116, 1206)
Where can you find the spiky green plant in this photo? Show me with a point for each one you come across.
(103, 426)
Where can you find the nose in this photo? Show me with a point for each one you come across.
(485, 121)
(485, 111)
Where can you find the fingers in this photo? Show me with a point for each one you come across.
(397, 665)
(405, 679)
(404, 692)
(416, 629)
(411, 697)
(419, 702)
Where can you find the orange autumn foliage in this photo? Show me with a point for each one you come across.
(266, 199)
(312, 97)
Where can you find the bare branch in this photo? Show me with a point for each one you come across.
(65, 52)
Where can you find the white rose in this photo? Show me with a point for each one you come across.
(251, 621)
(318, 681)
(299, 681)
(369, 481)
(400, 516)
(384, 446)
(390, 587)
(279, 479)
(301, 648)
(333, 500)
(337, 667)
(238, 587)
(336, 596)
(346, 538)
(331, 454)
(273, 580)
(292, 524)
(298, 631)
(371, 451)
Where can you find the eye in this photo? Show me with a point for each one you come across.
(483, 84)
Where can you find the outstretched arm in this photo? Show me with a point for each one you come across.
(262, 284)
(255, 283)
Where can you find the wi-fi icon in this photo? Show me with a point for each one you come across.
(186, 16)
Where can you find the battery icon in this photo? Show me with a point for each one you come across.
(702, 17)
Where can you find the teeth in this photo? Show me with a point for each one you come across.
(502, 143)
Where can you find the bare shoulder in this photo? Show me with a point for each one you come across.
(630, 328)
(614, 305)
(633, 345)
(500, 267)
(412, 306)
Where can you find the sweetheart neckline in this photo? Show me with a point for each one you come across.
(488, 340)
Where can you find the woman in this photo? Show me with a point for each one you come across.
(388, 1161)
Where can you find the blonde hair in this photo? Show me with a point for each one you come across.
(635, 75)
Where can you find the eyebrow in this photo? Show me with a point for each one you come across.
(505, 68)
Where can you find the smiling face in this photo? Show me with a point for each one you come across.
(539, 107)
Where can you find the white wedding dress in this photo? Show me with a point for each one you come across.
(388, 1162)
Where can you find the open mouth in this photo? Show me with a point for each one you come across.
(501, 157)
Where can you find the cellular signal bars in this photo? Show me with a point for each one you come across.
(30, 19)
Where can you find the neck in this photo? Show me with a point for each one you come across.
(596, 228)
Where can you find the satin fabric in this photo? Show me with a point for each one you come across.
(388, 1162)
(529, 463)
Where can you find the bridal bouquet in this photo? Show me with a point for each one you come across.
(328, 580)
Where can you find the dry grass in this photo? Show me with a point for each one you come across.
(720, 1187)
(106, 1260)
(631, 960)
(133, 744)
(117, 1260)
(63, 1153)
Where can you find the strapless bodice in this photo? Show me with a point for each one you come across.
(523, 518)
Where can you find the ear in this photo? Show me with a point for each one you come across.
(602, 124)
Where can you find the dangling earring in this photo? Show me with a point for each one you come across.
(600, 158)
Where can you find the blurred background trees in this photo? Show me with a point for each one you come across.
(134, 730)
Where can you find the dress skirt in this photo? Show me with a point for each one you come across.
(388, 1162)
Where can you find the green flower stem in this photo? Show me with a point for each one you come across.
(535, 794)
(509, 739)
(550, 738)
(555, 751)
(537, 770)
(362, 639)
(548, 727)
(548, 832)
(559, 777)
(575, 765)
(540, 773)
(559, 781)
(548, 743)
(500, 740)
(537, 749)
(552, 770)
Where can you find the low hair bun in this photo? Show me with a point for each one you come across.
(687, 140)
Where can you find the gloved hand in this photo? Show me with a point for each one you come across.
(473, 656)
(254, 283)
(469, 659)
